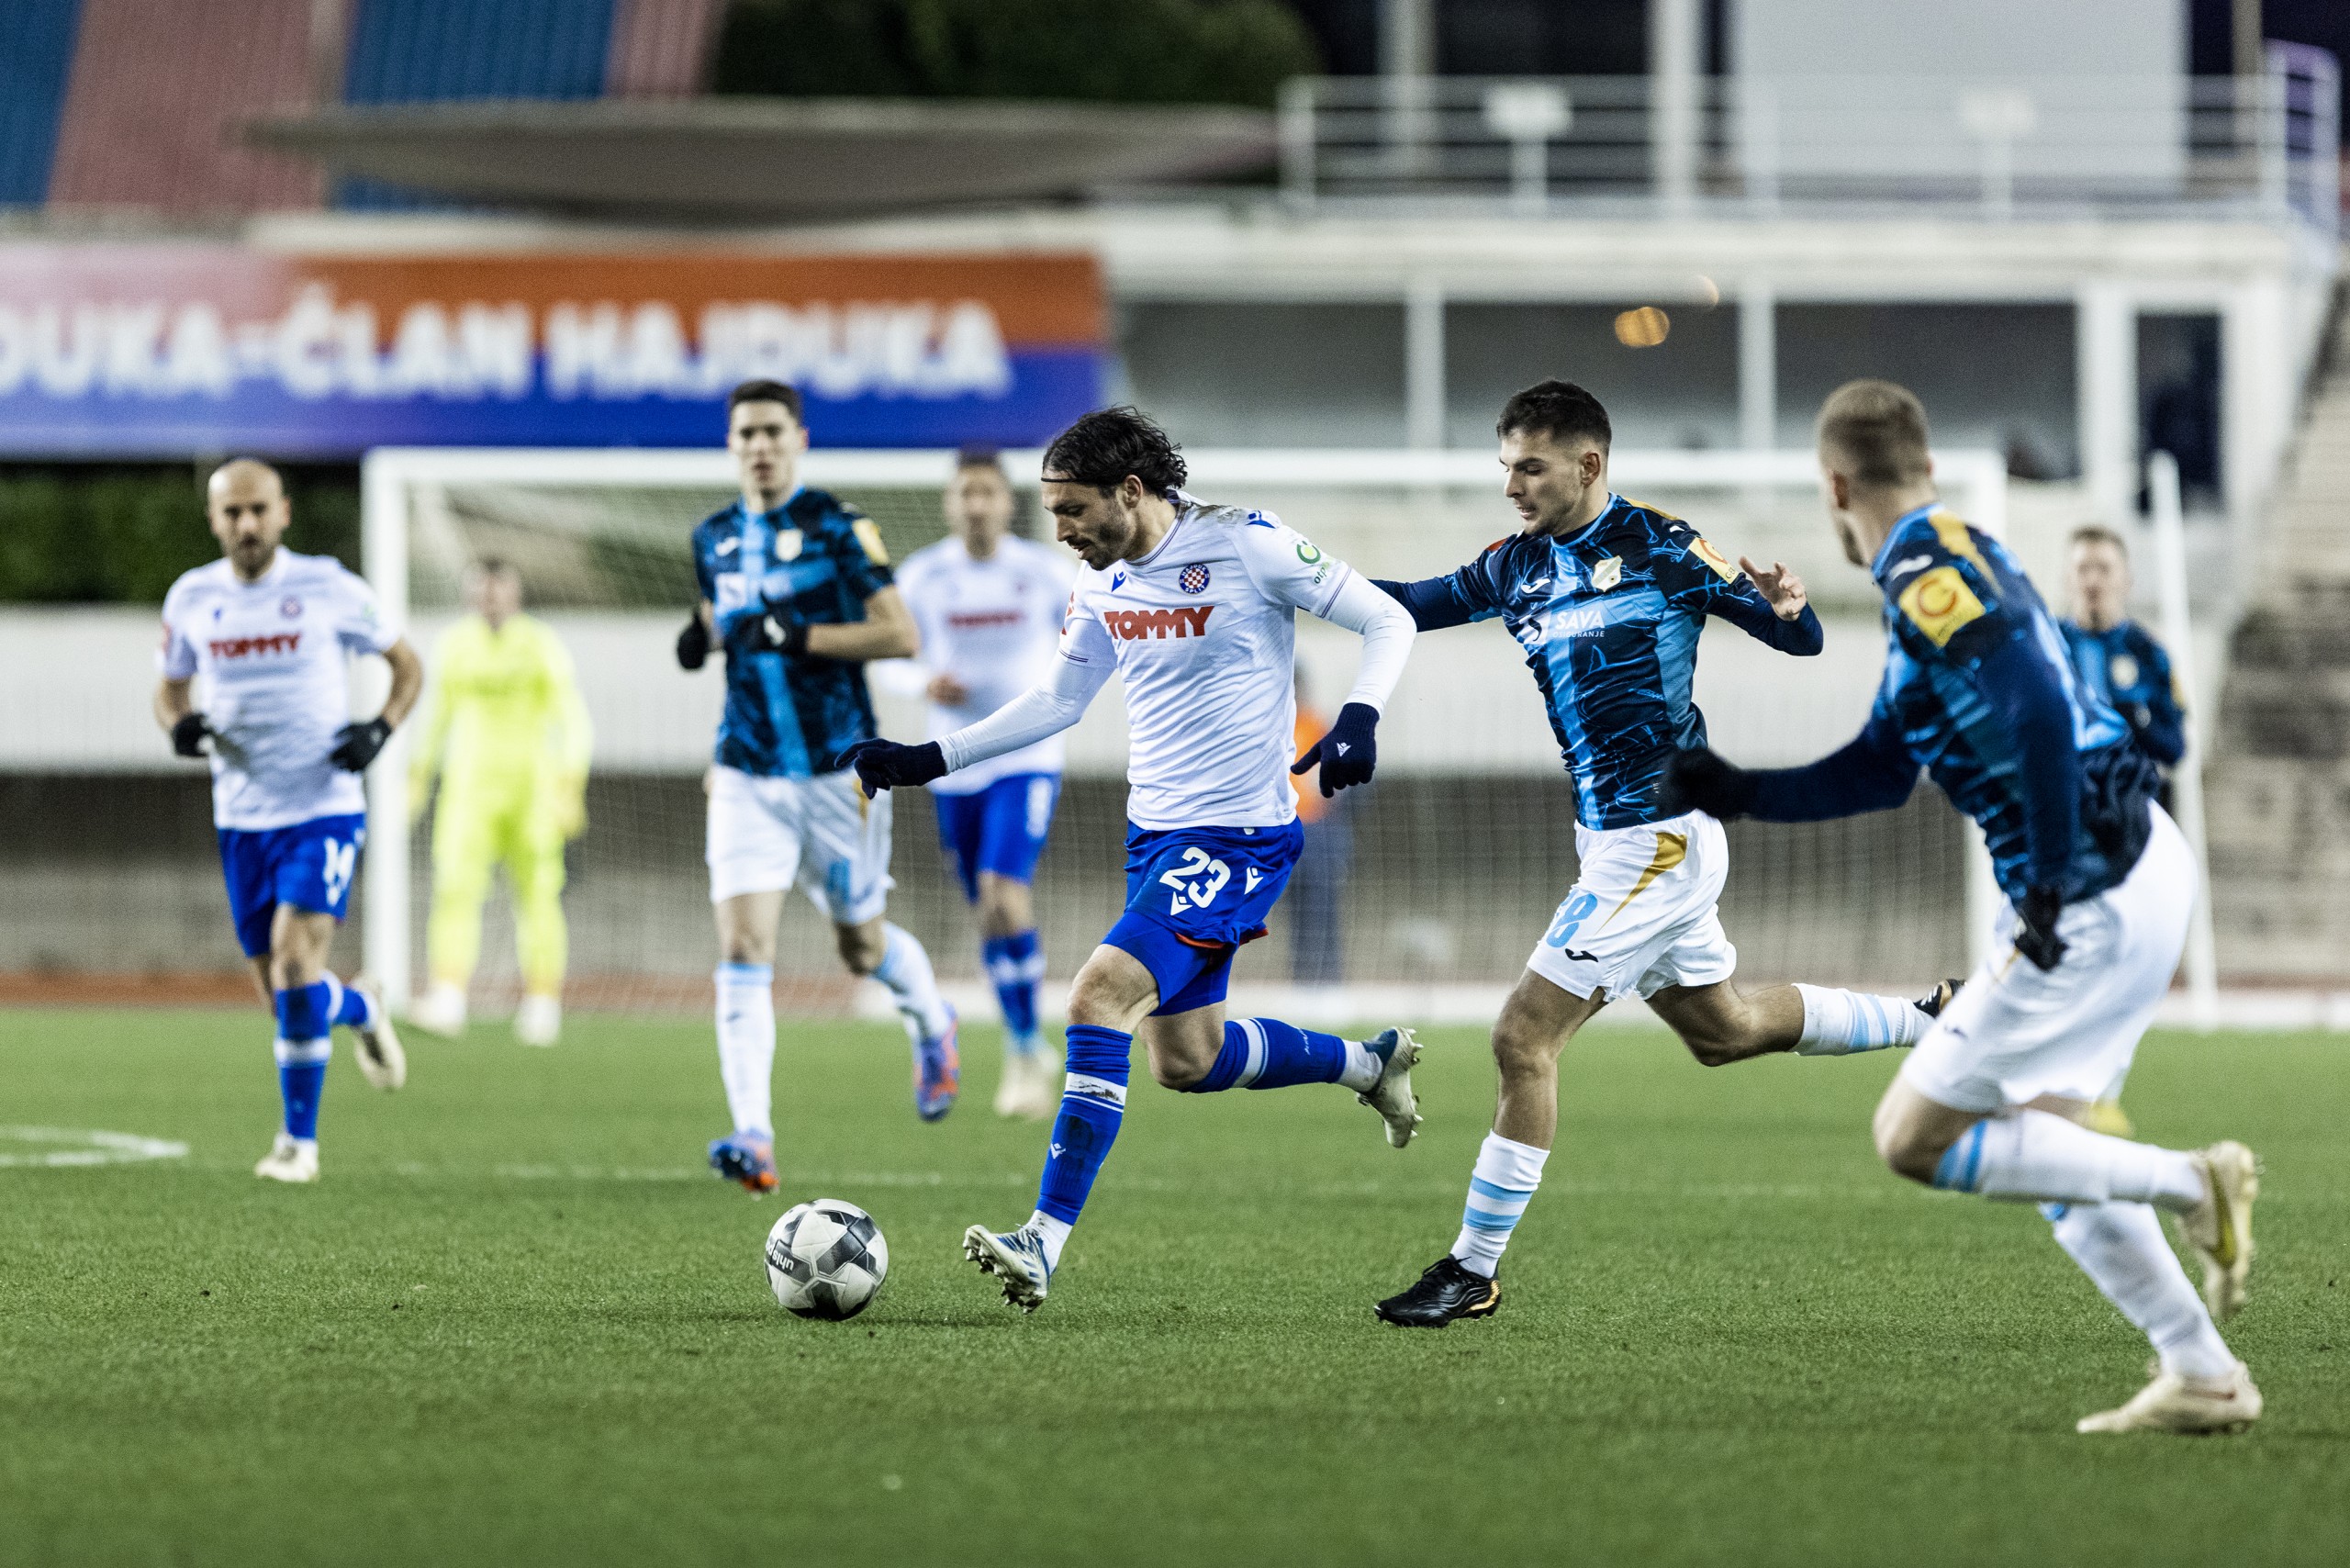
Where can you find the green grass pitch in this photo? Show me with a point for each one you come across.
(516, 1324)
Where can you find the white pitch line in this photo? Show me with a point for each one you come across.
(96, 1147)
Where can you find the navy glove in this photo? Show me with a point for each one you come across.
(2036, 937)
(355, 745)
(693, 644)
(1704, 780)
(1349, 753)
(882, 765)
(781, 629)
(188, 736)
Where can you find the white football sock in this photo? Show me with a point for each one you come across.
(1053, 1234)
(1840, 1022)
(1507, 1173)
(1362, 1070)
(746, 1044)
(905, 969)
(2120, 1246)
(2034, 1156)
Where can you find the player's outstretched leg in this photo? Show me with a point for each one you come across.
(746, 1066)
(359, 1007)
(1093, 1105)
(2199, 1384)
(1266, 1053)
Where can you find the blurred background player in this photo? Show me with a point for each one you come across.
(796, 589)
(2120, 662)
(1608, 599)
(269, 631)
(504, 728)
(1194, 607)
(1317, 888)
(1978, 691)
(988, 605)
(2118, 658)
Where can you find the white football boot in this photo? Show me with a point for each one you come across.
(2220, 1227)
(290, 1159)
(1392, 1096)
(1018, 1260)
(1030, 1087)
(539, 1020)
(442, 1012)
(2175, 1404)
(381, 1060)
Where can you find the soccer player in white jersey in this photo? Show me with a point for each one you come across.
(1194, 606)
(268, 631)
(1979, 691)
(988, 604)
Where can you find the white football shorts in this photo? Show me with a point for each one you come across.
(821, 834)
(2017, 1031)
(1640, 916)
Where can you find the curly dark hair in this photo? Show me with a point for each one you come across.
(1107, 444)
(1560, 410)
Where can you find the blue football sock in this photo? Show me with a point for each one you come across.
(344, 1004)
(1015, 964)
(1265, 1053)
(302, 1050)
(1093, 1102)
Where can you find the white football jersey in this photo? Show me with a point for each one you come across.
(992, 625)
(271, 656)
(1204, 635)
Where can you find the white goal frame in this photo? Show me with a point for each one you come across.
(1974, 480)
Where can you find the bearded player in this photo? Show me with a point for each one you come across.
(1608, 598)
(1978, 691)
(269, 632)
(1194, 606)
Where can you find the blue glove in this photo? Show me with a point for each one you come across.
(1349, 753)
(882, 765)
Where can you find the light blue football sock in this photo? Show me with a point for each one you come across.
(302, 1048)
(1843, 1022)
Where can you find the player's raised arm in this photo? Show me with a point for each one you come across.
(1453, 599)
(1768, 603)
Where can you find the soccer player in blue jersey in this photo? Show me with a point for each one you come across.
(2118, 659)
(796, 591)
(1979, 692)
(270, 633)
(1608, 597)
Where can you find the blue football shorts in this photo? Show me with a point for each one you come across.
(999, 830)
(1193, 896)
(308, 865)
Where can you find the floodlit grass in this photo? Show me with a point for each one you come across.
(517, 1323)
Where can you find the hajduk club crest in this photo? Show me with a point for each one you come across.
(1194, 579)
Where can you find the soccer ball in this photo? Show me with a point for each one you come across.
(826, 1258)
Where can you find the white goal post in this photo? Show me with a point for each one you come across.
(406, 520)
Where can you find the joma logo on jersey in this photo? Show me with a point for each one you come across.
(242, 647)
(1184, 620)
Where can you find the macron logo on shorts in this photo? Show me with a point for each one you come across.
(245, 647)
(1184, 620)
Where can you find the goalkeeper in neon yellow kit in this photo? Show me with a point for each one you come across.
(506, 730)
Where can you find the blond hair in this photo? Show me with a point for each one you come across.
(1874, 433)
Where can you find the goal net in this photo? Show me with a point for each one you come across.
(1430, 887)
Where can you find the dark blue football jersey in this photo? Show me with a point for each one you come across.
(821, 559)
(1608, 620)
(1964, 628)
(2126, 667)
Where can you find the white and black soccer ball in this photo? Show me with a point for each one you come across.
(826, 1258)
